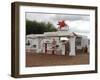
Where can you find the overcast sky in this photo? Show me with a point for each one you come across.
(77, 23)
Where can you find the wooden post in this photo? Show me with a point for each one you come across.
(53, 46)
(45, 48)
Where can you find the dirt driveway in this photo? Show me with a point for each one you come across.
(34, 59)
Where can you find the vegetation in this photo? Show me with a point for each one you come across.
(34, 27)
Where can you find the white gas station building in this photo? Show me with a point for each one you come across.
(61, 42)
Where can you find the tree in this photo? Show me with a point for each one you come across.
(50, 27)
(34, 27)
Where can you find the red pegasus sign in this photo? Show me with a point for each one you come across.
(62, 24)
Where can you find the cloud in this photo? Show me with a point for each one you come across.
(72, 17)
(77, 23)
(56, 17)
(80, 26)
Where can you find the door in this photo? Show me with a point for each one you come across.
(67, 48)
(45, 48)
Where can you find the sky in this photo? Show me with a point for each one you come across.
(77, 23)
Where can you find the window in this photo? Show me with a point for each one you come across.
(34, 46)
(78, 41)
(88, 42)
(57, 46)
(28, 43)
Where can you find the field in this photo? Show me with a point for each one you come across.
(35, 59)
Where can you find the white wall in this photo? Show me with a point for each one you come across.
(5, 40)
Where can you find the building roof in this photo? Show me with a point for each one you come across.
(59, 33)
(52, 34)
(55, 34)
